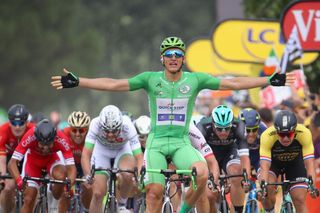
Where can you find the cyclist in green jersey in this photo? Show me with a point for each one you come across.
(172, 94)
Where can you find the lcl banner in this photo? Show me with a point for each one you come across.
(305, 16)
(250, 41)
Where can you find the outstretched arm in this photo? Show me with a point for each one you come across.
(239, 83)
(70, 80)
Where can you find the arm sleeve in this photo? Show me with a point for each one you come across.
(207, 81)
(265, 146)
(27, 141)
(139, 81)
(241, 140)
(199, 142)
(305, 139)
(65, 148)
(3, 140)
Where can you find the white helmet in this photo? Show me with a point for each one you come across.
(143, 125)
(110, 118)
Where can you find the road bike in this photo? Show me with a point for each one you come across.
(287, 205)
(42, 203)
(111, 205)
(167, 205)
(224, 185)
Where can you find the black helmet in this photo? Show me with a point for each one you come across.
(18, 112)
(285, 121)
(45, 132)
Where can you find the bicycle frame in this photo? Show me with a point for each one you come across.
(76, 204)
(42, 204)
(287, 205)
(223, 181)
(111, 205)
(167, 205)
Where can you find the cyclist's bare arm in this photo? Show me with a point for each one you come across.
(139, 159)
(71, 173)
(245, 163)
(309, 164)
(239, 83)
(3, 164)
(85, 160)
(213, 166)
(108, 84)
(13, 168)
(264, 170)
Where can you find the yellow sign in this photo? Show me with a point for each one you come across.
(251, 41)
(200, 57)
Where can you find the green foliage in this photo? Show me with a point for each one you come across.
(92, 38)
(272, 10)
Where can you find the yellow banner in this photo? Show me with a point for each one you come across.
(200, 57)
(251, 41)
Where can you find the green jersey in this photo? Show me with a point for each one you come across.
(171, 103)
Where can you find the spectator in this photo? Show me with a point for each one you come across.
(55, 118)
(266, 116)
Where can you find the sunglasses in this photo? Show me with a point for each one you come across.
(80, 130)
(170, 53)
(220, 129)
(286, 134)
(114, 131)
(17, 123)
(252, 129)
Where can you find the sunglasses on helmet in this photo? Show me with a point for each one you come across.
(17, 123)
(171, 53)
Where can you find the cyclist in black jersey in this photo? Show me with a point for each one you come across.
(225, 136)
(254, 128)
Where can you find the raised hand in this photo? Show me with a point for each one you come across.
(66, 81)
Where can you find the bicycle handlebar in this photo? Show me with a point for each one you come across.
(287, 183)
(168, 173)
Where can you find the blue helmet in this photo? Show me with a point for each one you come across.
(250, 117)
(222, 116)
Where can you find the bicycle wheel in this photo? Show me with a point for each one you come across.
(142, 207)
(41, 207)
(287, 208)
(253, 207)
(167, 208)
(111, 206)
(224, 208)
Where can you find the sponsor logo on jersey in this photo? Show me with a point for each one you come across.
(64, 143)
(184, 89)
(29, 139)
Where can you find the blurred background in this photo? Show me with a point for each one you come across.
(116, 39)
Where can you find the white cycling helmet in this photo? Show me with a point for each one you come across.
(110, 118)
(143, 125)
(79, 119)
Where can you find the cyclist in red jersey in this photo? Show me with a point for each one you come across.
(39, 147)
(76, 132)
(11, 133)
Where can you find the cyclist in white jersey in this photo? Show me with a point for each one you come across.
(111, 137)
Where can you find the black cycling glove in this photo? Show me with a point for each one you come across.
(69, 80)
(277, 79)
